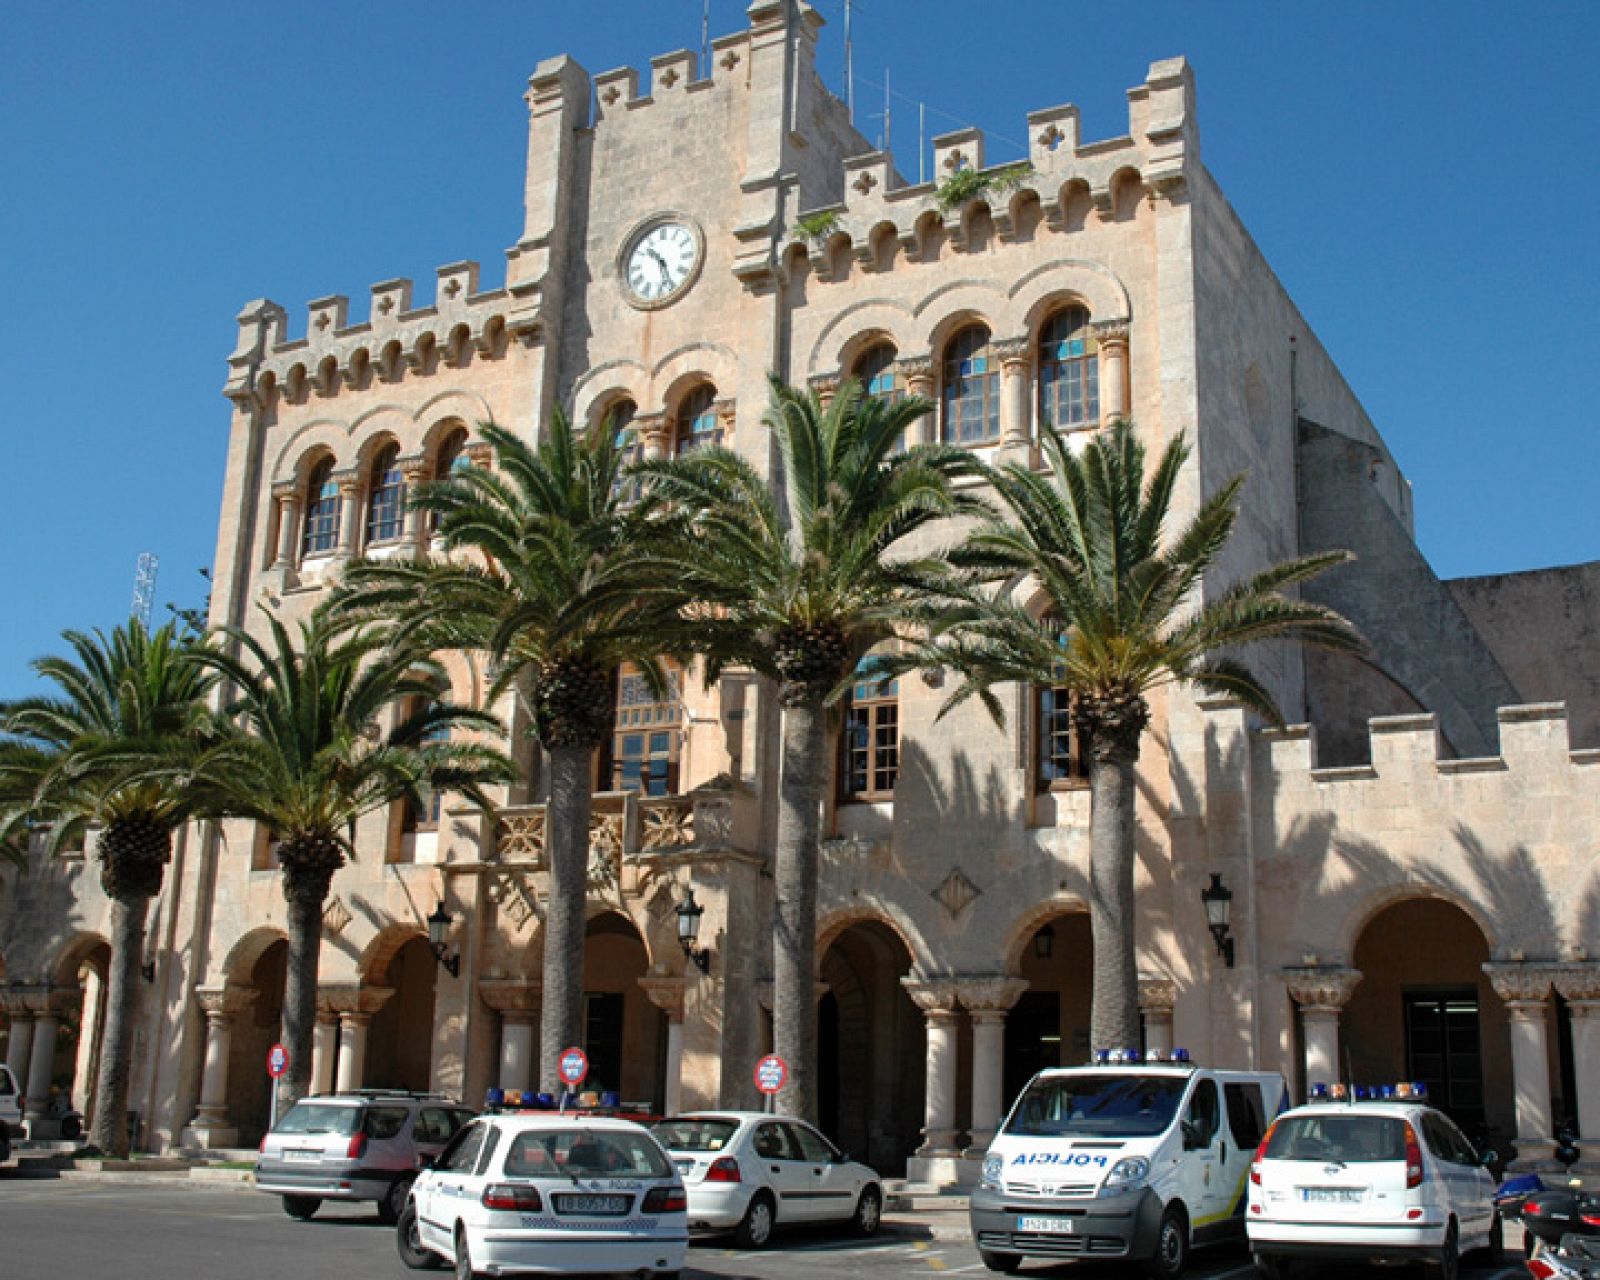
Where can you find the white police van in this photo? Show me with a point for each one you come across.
(1123, 1159)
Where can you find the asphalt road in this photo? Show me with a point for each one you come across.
(78, 1230)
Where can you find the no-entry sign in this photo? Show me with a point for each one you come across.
(772, 1073)
(277, 1061)
(574, 1065)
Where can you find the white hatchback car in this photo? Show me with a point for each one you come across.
(1382, 1181)
(542, 1193)
(748, 1172)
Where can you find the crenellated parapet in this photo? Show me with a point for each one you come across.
(1062, 177)
(397, 339)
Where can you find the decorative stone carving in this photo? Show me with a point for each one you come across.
(729, 60)
(224, 1000)
(864, 183)
(993, 993)
(1521, 984)
(352, 1000)
(916, 369)
(1011, 352)
(520, 835)
(666, 993)
(1051, 138)
(1578, 982)
(509, 892)
(610, 94)
(940, 995)
(1157, 994)
(955, 893)
(667, 822)
(1325, 988)
(1112, 333)
(511, 995)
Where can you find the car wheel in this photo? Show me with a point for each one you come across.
(1271, 1267)
(408, 1242)
(5, 1143)
(869, 1212)
(755, 1228)
(464, 1269)
(1448, 1259)
(394, 1201)
(1007, 1264)
(301, 1207)
(1494, 1250)
(1172, 1246)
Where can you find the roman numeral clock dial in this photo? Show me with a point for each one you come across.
(660, 260)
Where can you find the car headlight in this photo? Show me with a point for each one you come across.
(992, 1167)
(1128, 1174)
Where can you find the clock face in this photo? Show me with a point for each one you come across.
(661, 263)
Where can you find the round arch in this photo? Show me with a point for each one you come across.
(246, 953)
(833, 924)
(373, 963)
(1370, 906)
(81, 949)
(1096, 287)
(870, 320)
(1019, 935)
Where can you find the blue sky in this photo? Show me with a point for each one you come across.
(1425, 178)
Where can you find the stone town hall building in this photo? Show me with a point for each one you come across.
(1413, 865)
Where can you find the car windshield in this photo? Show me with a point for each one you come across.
(1338, 1137)
(585, 1153)
(1116, 1106)
(696, 1133)
(313, 1118)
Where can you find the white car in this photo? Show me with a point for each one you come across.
(748, 1172)
(1383, 1181)
(541, 1193)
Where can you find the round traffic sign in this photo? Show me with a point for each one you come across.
(772, 1073)
(574, 1065)
(277, 1061)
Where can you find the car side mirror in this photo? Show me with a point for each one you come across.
(424, 1162)
(841, 1157)
(1488, 1156)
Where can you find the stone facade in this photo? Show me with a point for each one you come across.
(1111, 279)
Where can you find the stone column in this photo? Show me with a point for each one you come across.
(287, 496)
(211, 1127)
(987, 1001)
(1525, 989)
(1015, 432)
(1579, 985)
(324, 1049)
(414, 471)
(667, 994)
(355, 1007)
(655, 435)
(826, 387)
(1321, 991)
(41, 1064)
(918, 374)
(349, 483)
(1113, 339)
(20, 1046)
(86, 1068)
(517, 1002)
(937, 1000)
(1157, 996)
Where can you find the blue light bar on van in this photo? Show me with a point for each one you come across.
(1318, 1092)
(1180, 1055)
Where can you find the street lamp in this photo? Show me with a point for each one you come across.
(1218, 900)
(1044, 942)
(438, 931)
(689, 913)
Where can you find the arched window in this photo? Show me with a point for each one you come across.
(646, 734)
(1060, 758)
(322, 511)
(871, 745)
(697, 423)
(969, 389)
(875, 369)
(452, 455)
(386, 497)
(1069, 371)
(620, 414)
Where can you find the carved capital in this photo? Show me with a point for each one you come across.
(479, 453)
(512, 995)
(16, 1001)
(1157, 995)
(350, 1000)
(413, 469)
(666, 993)
(826, 385)
(223, 1000)
(917, 372)
(1112, 333)
(286, 492)
(1012, 354)
(53, 1002)
(1578, 981)
(349, 482)
(997, 993)
(1520, 984)
(1325, 988)
(939, 996)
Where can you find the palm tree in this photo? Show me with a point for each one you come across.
(1123, 613)
(550, 568)
(798, 581)
(113, 748)
(306, 757)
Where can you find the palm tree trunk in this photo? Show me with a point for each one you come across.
(794, 933)
(300, 986)
(1114, 1013)
(109, 1131)
(567, 853)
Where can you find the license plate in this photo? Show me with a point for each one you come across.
(1332, 1195)
(592, 1204)
(1046, 1226)
(297, 1155)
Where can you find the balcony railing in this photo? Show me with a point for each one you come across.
(625, 823)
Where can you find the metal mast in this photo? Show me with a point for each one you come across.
(144, 587)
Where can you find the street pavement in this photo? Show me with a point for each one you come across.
(105, 1229)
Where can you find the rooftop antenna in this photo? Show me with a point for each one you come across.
(849, 62)
(705, 40)
(888, 137)
(144, 587)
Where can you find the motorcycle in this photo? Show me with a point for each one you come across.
(1554, 1215)
(1574, 1258)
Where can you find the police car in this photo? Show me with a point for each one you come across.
(547, 1193)
(1369, 1174)
(1126, 1158)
